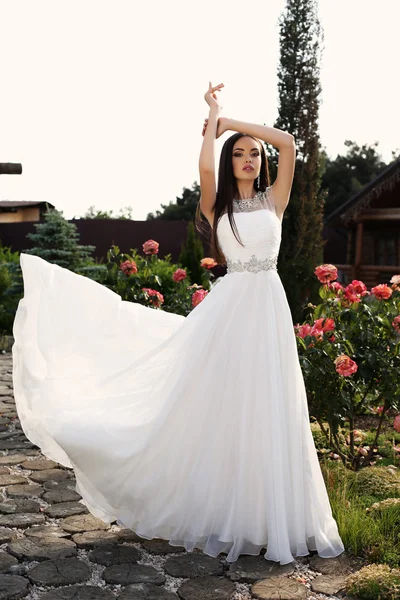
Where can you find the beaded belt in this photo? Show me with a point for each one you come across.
(253, 264)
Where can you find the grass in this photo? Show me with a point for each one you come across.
(374, 535)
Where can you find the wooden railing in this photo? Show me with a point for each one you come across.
(371, 275)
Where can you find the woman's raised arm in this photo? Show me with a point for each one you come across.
(271, 135)
(208, 186)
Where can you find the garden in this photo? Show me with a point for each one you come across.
(349, 351)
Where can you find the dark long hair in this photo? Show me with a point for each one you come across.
(227, 190)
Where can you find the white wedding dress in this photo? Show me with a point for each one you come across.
(191, 429)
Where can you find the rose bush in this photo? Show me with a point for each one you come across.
(155, 282)
(349, 353)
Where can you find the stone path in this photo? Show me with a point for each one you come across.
(52, 548)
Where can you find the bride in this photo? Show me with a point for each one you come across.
(190, 429)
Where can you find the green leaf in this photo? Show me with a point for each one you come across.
(323, 292)
(302, 343)
(318, 310)
(349, 346)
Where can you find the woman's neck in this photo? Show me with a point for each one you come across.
(243, 195)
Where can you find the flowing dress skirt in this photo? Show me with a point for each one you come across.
(191, 429)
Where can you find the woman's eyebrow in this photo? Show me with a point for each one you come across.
(243, 149)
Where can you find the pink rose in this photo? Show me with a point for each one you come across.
(150, 247)
(395, 281)
(198, 297)
(335, 286)
(179, 275)
(302, 330)
(344, 365)
(396, 323)
(326, 273)
(382, 291)
(329, 324)
(155, 297)
(317, 333)
(359, 287)
(128, 267)
(351, 293)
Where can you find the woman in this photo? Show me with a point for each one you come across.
(191, 429)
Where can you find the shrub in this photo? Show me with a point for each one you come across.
(374, 582)
(380, 482)
(350, 358)
(155, 282)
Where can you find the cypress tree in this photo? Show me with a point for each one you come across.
(299, 88)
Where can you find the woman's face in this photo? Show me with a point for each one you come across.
(246, 152)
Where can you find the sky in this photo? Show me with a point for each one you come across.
(102, 101)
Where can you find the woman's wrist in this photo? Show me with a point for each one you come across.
(214, 112)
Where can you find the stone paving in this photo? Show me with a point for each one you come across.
(52, 548)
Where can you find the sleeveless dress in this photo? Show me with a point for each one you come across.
(190, 429)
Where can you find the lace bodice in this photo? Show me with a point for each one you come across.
(259, 229)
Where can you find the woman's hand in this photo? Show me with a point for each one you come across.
(222, 126)
(211, 98)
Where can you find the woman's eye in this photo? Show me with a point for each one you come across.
(240, 154)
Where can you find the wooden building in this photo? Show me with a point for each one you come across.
(363, 234)
(20, 211)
